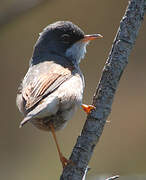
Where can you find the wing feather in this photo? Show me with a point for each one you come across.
(43, 83)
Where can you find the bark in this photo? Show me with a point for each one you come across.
(105, 92)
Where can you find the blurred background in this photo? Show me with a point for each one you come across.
(28, 153)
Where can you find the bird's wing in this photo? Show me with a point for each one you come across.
(43, 84)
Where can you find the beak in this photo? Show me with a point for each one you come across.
(91, 37)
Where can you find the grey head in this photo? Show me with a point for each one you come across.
(61, 39)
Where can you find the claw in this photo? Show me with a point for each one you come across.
(65, 161)
(87, 108)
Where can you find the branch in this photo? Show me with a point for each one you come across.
(103, 98)
(113, 177)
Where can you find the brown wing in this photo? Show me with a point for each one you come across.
(43, 83)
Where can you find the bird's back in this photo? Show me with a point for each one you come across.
(49, 89)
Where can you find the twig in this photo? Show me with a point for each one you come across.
(113, 177)
(103, 98)
(86, 170)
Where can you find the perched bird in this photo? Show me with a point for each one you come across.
(52, 89)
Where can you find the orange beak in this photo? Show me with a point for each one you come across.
(91, 37)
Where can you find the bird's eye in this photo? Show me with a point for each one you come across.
(65, 38)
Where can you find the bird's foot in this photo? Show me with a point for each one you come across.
(87, 108)
(65, 161)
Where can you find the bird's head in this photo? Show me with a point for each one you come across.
(63, 38)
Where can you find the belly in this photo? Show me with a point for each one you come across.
(59, 120)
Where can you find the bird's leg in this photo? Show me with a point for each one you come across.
(63, 160)
(87, 108)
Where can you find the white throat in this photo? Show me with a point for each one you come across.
(77, 51)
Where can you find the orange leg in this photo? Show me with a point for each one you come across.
(87, 108)
(63, 160)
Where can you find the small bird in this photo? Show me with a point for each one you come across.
(52, 88)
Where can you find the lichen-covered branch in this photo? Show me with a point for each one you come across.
(103, 98)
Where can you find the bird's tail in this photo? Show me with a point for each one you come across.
(24, 121)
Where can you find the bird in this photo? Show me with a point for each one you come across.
(52, 89)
